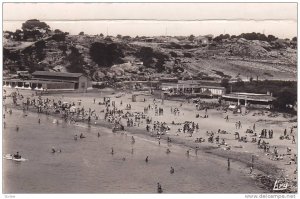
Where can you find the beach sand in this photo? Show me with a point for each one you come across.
(240, 151)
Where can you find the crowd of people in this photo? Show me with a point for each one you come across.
(121, 116)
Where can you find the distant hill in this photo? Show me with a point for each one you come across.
(100, 58)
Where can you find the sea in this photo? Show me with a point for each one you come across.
(87, 165)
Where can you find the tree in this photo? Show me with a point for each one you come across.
(240, 82)
(119, 36)
(191, 38)
(34, 24)
(40, 45)
(81, 33)
(106, 55)
(294, 39)
(221, 37)
(284, 97)
(225, 83)
(63, 48)
(76, 61)
(34, 29)
(107, 38)
(18, 35)
(101, 35)
(126, 37)
(57, 31)
(271, 38)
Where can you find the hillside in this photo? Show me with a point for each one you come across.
(103, 58)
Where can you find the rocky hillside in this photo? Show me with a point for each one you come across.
(103, 58)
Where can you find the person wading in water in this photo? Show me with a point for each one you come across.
(159, 189)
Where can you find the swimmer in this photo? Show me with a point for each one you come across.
(112, 150)
(188, 152)
(196, 150)
(99, 135)
(132, 140)
(17, 128)
(159, 189)
(172, 170)
(53, 150)
(168, 151)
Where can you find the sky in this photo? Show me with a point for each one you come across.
(155, 19)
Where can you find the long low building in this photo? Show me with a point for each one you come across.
(189, 88)
(44, 80)
(249, 98)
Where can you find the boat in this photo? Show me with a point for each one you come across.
(11, 157)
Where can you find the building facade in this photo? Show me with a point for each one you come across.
(192, 89)
(45, 80)
(249, 99)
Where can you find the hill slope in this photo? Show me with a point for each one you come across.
(104, 58)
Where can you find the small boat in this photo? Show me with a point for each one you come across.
(11, 157)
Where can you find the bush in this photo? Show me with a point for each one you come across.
(106, 55)
(285, 97)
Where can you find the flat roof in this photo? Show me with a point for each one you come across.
(250, 97)
(36, 81)
(56, 74)
(195, 85)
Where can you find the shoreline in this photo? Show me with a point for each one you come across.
(264, 171)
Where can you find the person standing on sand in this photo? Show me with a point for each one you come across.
(275, 151)
(188, 153)
(284, 133)
(254, 127)
(227, 119)
(228, 164)
(294, 140)
(147, 159)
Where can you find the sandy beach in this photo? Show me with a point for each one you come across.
(245, 154)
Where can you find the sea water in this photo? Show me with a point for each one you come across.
(87, 165)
